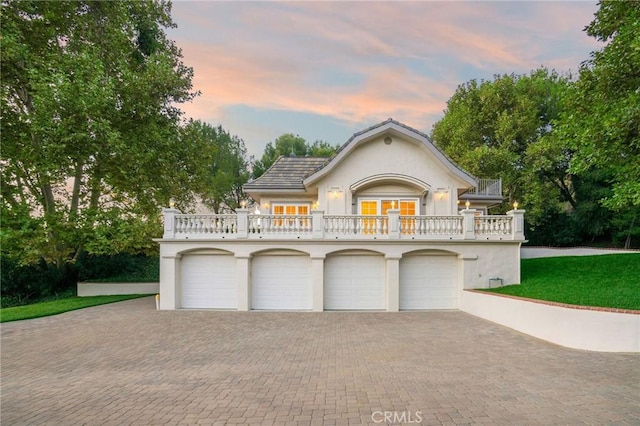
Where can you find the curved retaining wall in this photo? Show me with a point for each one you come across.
(578, 328)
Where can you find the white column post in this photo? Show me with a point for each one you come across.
(393, 283)
(243, 223)
(169, 281)
(517, 224)
(317, 283)
(169, 222)
(468, 225)
(467, 276)
(317, 224)
(242, 283)
(394, 223)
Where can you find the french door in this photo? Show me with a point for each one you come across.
(380, 207)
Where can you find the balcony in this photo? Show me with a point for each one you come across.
(487, 187)
(318, 226)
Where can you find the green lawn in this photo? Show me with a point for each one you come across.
(611, 281)
(59, 306)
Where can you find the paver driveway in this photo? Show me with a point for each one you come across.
(126, 363)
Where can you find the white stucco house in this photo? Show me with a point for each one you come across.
(387, 223)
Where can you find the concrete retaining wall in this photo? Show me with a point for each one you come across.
(593, 330)
(108, 289)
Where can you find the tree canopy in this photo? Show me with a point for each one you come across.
(602, 118)
(568, 150)
(90, 125)
(226, 168)
(490, 126)
(290, 144)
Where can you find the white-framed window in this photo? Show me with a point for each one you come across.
(379, 206)
(291, 209)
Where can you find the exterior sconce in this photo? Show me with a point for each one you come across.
(315, 205)
(266, 205)
(467, 204)
(515, 205)
(335, 193)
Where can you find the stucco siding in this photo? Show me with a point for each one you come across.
(476, 262)
(401, 157)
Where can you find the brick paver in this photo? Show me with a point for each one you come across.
(126, 363)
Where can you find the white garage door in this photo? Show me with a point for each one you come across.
(209, 281)
(354, 282)
(428, 282)
(281, 282)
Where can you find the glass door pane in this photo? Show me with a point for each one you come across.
(368, 208)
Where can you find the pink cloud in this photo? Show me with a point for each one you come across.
(367, 61)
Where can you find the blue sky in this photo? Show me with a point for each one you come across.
(325, 70)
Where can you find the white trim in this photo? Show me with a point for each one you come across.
(392, 128)
(390, 177)
(379, 201)
(289, 204)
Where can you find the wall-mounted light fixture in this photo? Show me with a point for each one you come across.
(440, 194)
(266, 205)
(335, 192)
(315, 205)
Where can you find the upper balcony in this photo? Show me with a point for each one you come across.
(468, 225)
(487, 187)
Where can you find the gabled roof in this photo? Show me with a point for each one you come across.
(294, 174)
(391, 127)
(287, 173)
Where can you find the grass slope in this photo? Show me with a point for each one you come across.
(59, 306)
(611, 281)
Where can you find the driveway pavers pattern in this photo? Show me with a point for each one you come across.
(127, 363)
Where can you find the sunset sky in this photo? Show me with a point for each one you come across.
(324, 70)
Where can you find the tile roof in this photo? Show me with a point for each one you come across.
(287, 173)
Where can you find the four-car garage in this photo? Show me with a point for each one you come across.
(352, 280)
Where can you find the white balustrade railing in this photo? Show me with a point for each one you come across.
(431, 225)
(356, 225)
(493, 225)
(270, 224)
(206, 224)
(465, 226)
(487, 187)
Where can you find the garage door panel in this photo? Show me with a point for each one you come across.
(428, 282)
(354, 282)
(209, 281)
(281, 282)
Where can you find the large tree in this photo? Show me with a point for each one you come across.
(90, 123)
(494, 128)
(226, 168)
(602, 119)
